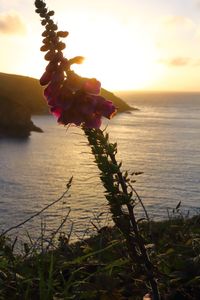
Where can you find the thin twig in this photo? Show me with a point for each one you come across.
(57, 230)
(141, 202)
(39, 212)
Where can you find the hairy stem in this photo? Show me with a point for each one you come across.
(118, 195)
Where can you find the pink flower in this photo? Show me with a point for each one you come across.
(51, 93)
(75, 100)
(46, 78)
(106, 108)
(70, 116)
(100, 106)
(56, 111)
(92, 86)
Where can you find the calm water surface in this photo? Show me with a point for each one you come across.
(162, 140)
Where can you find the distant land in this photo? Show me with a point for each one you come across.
(21, 97)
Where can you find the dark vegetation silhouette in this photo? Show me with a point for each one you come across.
(15, 119)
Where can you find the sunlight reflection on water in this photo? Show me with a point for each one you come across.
(161, 140)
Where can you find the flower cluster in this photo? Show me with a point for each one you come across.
(71, 98)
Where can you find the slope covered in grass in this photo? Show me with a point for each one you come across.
(28, 92)
(21, 97)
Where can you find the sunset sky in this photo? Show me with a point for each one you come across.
(127, 44)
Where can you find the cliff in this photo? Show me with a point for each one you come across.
(15, 119)
(21, 97)
(27, 91)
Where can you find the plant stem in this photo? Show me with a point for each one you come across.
(112, 178)
(138, 237)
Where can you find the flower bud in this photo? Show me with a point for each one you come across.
(44, 48)
(50, 56)
(52, 27)
(50, 22)
(51, 67)
(48, 27)
(60, 46)
(50, 13)
(43, 22)
(43, 10)
(46, 78)
(62, 34)
(52, 34)
(46, 40)
(38, 10)
(64, 65)
(45, 33)
(39, 4)
(42, 15)
(58, 56)
(76, 60)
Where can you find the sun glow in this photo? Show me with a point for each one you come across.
(127, 45)
(125, 68)
(115, 54)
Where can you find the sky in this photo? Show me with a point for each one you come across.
(151, 45)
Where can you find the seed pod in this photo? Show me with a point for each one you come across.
(60, 46)
(50, 55)
(62, 34)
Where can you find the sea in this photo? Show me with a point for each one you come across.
(160, 141)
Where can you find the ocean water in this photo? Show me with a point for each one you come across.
(161, 139)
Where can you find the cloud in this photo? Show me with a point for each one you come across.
(177, 21)
(176, 61)
(197, 3)
(11, 23)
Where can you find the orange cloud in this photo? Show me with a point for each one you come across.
(12, 24)
(176, 61)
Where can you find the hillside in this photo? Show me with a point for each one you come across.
(15, 119)
(27, 91)
(24, 91)
(21, 97)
